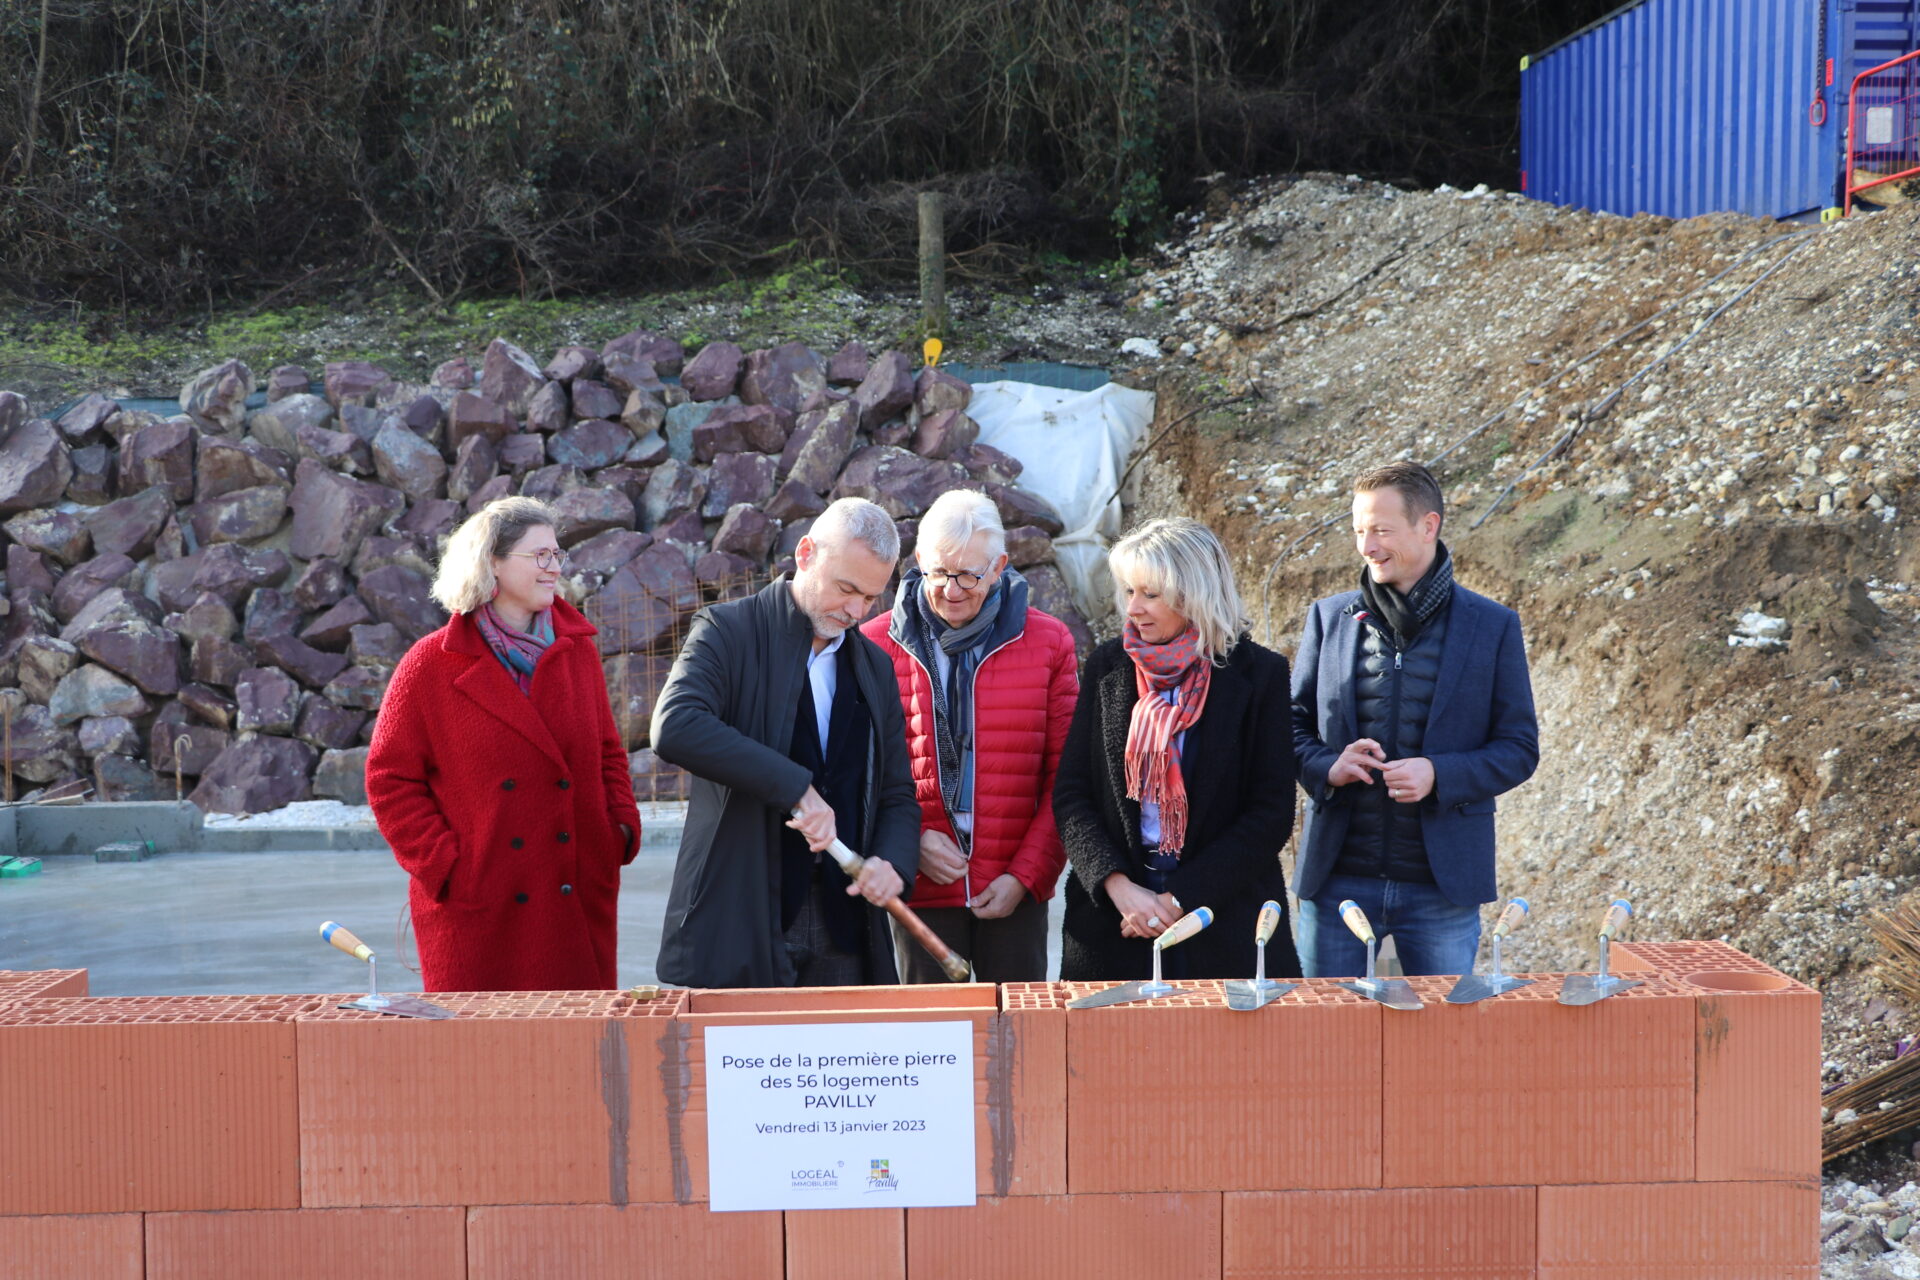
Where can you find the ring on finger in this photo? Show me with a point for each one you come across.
(1153, 922)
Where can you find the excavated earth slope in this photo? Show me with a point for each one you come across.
(1760, 790)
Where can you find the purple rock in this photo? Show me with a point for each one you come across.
(376, 645)
(984, 462)
(123, 632)
(887, 390)
(509, 377)
(1029, 545)
(590, 511)
(404, 461)
(569, 363)
(333, 629)
(493, 490)
(713, 374)
(224, 466)
(94, 472)
(332, 512)
(548, 410)
(522, 453)
(663, 353)
(161, 454)
(477, 415)
(735, 478)
(590, 445)
(849, 365)
(821, 457)
(34, 467)
(198, 745)
(592, 399)
(736, 427)
(321, 584)
(401, 597)
(746, 531)
(83, 423)
(241, 516)
(784, 376)
(310, 666)
(606, 552)
(1019, 507)
(269, 612)
(355, 382)
(219, 661)
(84, 582)
(207, 616)
(279, 425)
(103, 735)
(130, 525)
(269, 701)
(56, 534)
(454, 375)
(216, 398)
(430, 518)
(549, 483)
(794, 501)
(209, 704)
(902, 483)
(937, 391)
(287, 380)
(942, 434)
(674, 487)
(256, 775)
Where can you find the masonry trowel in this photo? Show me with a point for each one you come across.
(1585, 988)
(1245, 994)
(1127, 992)
(1475, 987)
(373, 1001)
(1395, 993)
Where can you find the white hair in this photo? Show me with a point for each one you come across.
(861, 521)
(955, 519)
(1183, 560)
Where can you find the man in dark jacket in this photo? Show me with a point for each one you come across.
(1412, 711)
(789, 719)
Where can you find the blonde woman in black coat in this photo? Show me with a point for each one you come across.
(1176, 786)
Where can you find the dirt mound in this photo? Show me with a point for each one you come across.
(1684, 451)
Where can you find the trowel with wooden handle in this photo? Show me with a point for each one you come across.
(1395, 993)
(373, 1001)
(1474, 987)
(1247, 995)
(1585, 988)
(1127, 992)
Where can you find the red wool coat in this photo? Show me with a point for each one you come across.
(1024, 695)
(504, 809)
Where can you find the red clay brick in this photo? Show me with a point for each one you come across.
(149, 1103)
(27, 984)
(1027, 1092)
(1758, 1070)
(1681, 1231)
(1057, 1237)
(1283, 1098)
(605, 1242)
(308, 1244)
(997, 1146)
(99, 1246)
(520, 1098)
(1519, 1089)
(1450, 1233)
(836, 1244)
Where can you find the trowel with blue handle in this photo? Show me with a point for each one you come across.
(1245, 994)
(1395, 993)
(1127, 992)
(373, 1001)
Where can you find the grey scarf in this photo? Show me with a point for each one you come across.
(964, 646)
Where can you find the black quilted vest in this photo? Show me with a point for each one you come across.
(1393, 691)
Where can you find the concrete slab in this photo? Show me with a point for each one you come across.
(236, 923)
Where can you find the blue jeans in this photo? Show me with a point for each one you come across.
(1431, 934)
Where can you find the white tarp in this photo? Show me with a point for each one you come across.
(1074, 446)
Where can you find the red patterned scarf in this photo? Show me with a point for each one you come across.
(1153, 768)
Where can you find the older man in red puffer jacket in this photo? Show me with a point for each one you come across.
(988, 685)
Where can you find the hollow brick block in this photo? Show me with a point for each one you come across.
(833, 1244)
(610, 1242)
(98, 1246)
(1437, 1233)
(1681, 1231)
(308, 1244)
(1055, 1237)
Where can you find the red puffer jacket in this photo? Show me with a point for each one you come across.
(1024, 693)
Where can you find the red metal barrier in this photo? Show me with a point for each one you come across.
(1883, 136)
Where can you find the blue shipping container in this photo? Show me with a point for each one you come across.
(1685, 107)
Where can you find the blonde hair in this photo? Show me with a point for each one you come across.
(1183, 560)
(465, 579)
(956, 518)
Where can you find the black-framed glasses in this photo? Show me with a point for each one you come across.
(965, 579)
(546, 557)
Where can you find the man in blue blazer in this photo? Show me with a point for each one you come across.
(1412, 712)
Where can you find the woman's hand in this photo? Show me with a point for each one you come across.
(1143, 913)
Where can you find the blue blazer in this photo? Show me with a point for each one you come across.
(1481, 737)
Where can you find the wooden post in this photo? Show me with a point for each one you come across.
(933, 263)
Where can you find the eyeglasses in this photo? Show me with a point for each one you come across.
(546, 557)
(965, 579)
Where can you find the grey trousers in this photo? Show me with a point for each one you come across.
(1010, 949)
(818, 960)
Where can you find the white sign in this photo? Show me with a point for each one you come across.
(840, 1115)
(1879, 126)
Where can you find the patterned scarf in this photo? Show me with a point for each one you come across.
(1406, 616)
(1153, 768)
(519, 651)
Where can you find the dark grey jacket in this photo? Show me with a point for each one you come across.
(726, 716)
(1393, 693)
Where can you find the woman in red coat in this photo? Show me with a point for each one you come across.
(497, 775)
(988, 685)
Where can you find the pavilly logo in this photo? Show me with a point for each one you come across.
(880, 1176)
